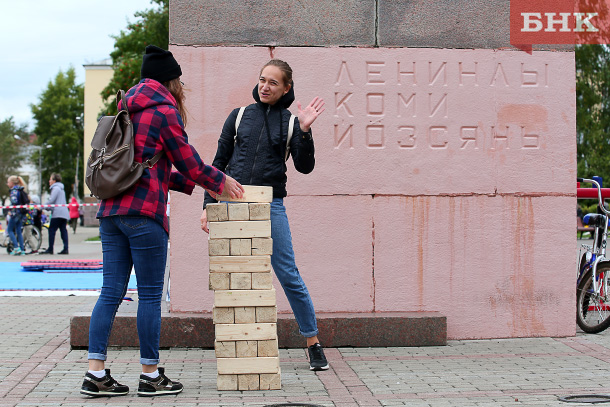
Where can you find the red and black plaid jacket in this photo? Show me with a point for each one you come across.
(159, 127)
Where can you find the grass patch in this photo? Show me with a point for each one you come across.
(94, 239)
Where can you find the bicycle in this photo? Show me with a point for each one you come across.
(592, 292)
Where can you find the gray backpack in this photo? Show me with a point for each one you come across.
(111, 168)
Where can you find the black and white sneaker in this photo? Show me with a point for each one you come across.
(104, 387)
(317, 360)
(158, 387)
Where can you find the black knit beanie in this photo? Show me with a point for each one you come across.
(160, 65)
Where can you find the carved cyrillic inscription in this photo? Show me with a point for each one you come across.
(420, 104)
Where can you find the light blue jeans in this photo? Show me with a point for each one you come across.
(14, 230)
(128, 241)
(287, 272)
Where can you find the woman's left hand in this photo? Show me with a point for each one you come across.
(309, 115)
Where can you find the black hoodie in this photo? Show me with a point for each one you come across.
(256, 157)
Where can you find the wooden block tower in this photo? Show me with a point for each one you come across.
(245, 313)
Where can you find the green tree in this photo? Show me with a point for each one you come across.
(58, 116)
(593, 111)
(10, 152)
(152, 27)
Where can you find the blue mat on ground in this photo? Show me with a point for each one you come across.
(13, 278)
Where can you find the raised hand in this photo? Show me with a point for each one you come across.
(309, 115)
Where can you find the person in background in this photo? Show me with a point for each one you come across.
(74, 213)
(36, 212)
(16, 187)
(134, 225)
(81, 215)
(59, 215)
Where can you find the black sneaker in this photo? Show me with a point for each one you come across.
(106, 386)
(317, 360)
(158, 387)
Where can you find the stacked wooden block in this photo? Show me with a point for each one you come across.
(245, 313)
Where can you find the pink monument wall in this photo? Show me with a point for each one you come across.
(444, 181)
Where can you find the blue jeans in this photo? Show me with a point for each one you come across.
(129, 241)
(14, 230)
(287, 272)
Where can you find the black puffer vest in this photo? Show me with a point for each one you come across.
(256, 155)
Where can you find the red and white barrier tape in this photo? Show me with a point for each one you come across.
(45, 206)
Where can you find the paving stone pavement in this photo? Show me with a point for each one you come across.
(38, 368)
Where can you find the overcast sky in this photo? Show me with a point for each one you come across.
(39, 38)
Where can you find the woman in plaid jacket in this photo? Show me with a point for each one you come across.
(134, 226)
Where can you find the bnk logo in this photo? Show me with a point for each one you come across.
(581, 22)
(559, 22)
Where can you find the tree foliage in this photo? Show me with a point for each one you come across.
(152, 27)
(593, 111)
(10, 152)
(58, 116)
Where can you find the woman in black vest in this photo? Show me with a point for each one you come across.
(255, 154)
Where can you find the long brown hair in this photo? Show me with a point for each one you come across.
(283, 66)
(176, 89)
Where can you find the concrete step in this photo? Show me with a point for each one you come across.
(380, 329)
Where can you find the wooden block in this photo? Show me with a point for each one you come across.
(226, 349)
(245, 298)
(260, 211)
(245, 332)
(247, 349)
(245, 315)
(266, 314)
(240, 229)
(266, 348)
(226, 382)
(223, 315)
(220, 281)
(240, 281)
(260, 281)
(252, 193)
(247, 365)
(270, 381)
(217, 212)
(240, 247)
(219, 247)
(240, 264)
(262, 246)
(239, 211)
(248, 382)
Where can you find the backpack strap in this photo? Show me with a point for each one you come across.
(290, 129)
(121, 95)
(238, 120)
(152, 161)
(290, 132)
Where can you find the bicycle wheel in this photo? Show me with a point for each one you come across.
(592, 313)
(32, 237)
